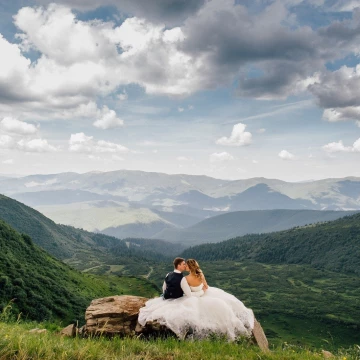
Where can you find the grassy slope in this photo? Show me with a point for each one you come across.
(334, 246)
(17, 343)
(59, 241)
(44, 287)
(294, 303)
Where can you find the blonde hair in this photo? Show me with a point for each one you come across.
(194, 267)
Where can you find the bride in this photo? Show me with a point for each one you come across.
(202, 311)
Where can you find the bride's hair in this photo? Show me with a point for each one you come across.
(194, 267)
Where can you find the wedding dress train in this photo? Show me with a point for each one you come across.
(216, 312)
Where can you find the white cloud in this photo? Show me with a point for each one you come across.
(6, 142)
(13, 125)
(356, 145)
(238, 137)
(8, 162)
(339, 147)
(80, 143)
(342, 113)
(286, 155)
(122, 96)
(345, 5)
(86, 144)
(35, 145)
(109, 147)
(183, 158)
(108, 119)
(220, 157)
(255, 162)
(261, 131)
(180, 109)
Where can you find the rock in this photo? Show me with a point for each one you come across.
(70, 331)
(259, 337)
(82, 331)
(327, 354)
(113, 315)
(37, 331)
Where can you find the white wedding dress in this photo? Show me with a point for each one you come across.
(215, 312)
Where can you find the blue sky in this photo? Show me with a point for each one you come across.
(229, 89)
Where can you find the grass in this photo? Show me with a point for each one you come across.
(16, 343)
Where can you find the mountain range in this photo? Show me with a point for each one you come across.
(144, 204)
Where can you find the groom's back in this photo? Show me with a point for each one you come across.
(173, 286)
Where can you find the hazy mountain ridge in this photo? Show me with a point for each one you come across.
(238, 223)
(135, 203)
(147, 187)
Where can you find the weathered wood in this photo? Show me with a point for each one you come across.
(260, 337)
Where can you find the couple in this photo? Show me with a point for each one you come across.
(189, 305)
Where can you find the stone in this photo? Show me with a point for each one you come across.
(70, 331)
(113, 315)
(327, 354)
(260, 337)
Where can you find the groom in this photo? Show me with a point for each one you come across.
(175, 285)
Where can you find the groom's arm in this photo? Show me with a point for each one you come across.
(164, 284)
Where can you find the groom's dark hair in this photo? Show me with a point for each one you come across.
(178, 261)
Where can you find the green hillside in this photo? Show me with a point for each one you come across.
(60, 241)
(45, 288)
(332, 246)
(82, 249)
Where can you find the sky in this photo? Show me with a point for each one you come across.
(223, 88)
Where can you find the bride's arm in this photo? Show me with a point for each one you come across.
(206, 286)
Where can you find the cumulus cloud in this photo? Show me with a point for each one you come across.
(238, 137)
(286, 155)
(338, 93)
(220, 157)
(122, 96)
(6, 142)
(335, 147)
(35, 145)
(345, 5)
(13, 125)
(86, 144)
(93, 58)
(108, 119)
(163, 11)
(25, 144)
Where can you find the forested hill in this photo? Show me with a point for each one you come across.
(45, 288)
(60, 241)
(334, 246)
(64, 242)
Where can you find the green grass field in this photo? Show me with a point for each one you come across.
(16, 343)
